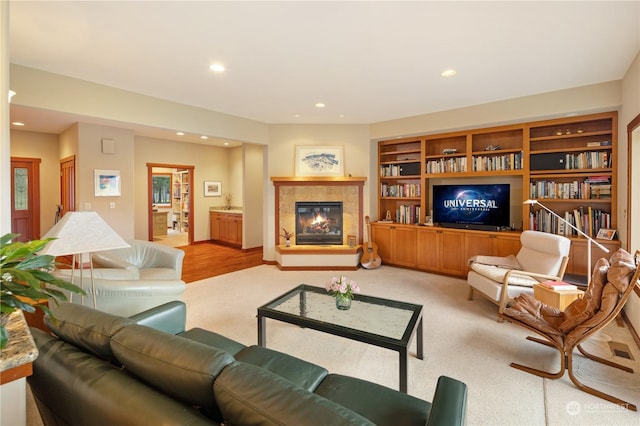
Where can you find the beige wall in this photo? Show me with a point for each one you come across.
(55, 92)
(282, 141)
(580, 100)
(210, 163)
(45, 147)
(253, 191)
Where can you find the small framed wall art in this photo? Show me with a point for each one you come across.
(107, 183)
(319, 160)
(212, 188)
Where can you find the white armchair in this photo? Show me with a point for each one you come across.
(132, 279)
(543, 256)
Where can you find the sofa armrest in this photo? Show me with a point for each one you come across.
(106, 261)
(170, 317)
(449, 405)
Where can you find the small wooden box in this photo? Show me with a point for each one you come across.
(557, 298)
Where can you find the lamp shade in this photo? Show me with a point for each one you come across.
(82, 232)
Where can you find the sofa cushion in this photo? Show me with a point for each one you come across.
(179, 367)
(211, 338)
(297, 371)
(249, 395)
(72, 387)
(86, 328)
(379, 404)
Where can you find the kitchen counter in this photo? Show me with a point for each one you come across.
(20, 351)
(220, 210)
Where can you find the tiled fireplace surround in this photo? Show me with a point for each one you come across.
(348, 190)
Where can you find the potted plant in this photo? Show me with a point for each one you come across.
(26, 279)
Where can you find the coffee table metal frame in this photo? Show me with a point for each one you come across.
(413, 326)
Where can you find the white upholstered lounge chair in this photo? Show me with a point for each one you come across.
(543, 256)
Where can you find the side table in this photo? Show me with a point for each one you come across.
(557, 298)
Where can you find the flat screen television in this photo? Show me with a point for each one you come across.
(472, 206)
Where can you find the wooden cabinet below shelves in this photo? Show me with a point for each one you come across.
(396, 243)
(578, 255)
(226, 228)
(439, 250)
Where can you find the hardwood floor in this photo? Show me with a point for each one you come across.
(206, 259)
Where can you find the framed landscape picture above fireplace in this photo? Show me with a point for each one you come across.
(311, 160)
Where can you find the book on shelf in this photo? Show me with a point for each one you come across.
(559, 285)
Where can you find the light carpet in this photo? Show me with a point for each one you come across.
(462, 339)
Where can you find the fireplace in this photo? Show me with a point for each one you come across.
(318, 223)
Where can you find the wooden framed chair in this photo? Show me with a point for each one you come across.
(543, 256)
(611, 285)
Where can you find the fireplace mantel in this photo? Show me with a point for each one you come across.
(349, 190)
(318, 180)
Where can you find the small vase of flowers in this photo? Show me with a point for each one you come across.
(342, 288)
(287, 237)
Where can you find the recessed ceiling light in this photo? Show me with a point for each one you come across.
(204, 137)
(17, 123)
(320, 105)
(449, 73)
(180, 133)
(341, 116)
(217, 68)
(226, 144)
(297, 115)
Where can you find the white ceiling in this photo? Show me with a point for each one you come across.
(368, 61)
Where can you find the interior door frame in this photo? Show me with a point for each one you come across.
(33, 194)
(190, 170)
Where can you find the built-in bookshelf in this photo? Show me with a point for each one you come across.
(567, 164)
(180, 200)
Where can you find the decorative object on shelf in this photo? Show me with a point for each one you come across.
(492, 147)
(448, 151)
(80, 234)
(287, 237)
(227, 201)
(107, 183)
(569, 224)
(606, 234)
(351, 240)
(342, 288)
(212, 188)
(26, 279)
(319, 160)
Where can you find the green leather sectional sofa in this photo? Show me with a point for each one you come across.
(102, 369)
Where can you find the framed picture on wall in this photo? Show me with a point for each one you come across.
(107, 183)
(319, 160)
(212, 188)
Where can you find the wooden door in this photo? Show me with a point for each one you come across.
(67, 185)
(25, 198)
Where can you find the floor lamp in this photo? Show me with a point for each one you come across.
(78, 234)
(591, 240)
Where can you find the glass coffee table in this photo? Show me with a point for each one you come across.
(381, 322)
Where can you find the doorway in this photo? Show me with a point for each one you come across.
(170, 204)
(25, 198)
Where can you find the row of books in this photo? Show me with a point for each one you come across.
(390, 170)
(588, 160)
(589, 220)
(512, 161)
(574, 190)
(405, 190)
(448, 165)
(408, 214)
